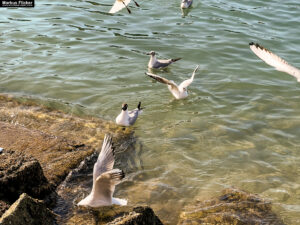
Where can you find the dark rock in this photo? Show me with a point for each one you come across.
(3, 207)
(21, 174)
(114, 215)
(233, 207)
(27, 210)
(140, 215)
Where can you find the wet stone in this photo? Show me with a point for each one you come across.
(233, 207)
(115, 215)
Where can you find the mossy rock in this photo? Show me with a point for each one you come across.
(233, 207)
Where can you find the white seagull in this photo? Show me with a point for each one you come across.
(105, 178)
(159, 63)
(121, 4)
(186, 4)
(126, 118)
(274, 60)
(179, 92)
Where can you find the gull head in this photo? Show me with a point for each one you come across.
(151, 53)
(124, 107)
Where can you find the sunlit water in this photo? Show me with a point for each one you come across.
(239, 127)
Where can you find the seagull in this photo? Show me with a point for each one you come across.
(274, 60)
(126, 118)
(105, 178)
(159, 63)
(186, 4)
(120, 4)
(179, 92)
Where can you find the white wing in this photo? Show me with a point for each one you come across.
(274, 60)
(118, 5)
(105, 184)
(186, 83)
(106, 159)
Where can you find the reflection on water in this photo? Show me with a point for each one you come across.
(238, 127)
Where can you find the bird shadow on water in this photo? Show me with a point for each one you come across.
(78, 183)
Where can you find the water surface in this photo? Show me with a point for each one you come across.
(240, 125)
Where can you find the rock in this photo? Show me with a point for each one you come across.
(233, 207)
(115, 215)
(27, 210)
(21, 174)
(139, 215)
(3, 207)
(59, 141)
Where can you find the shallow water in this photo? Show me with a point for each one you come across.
(240, 125)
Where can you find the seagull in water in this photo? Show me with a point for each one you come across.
(126, 118)
(186, 4)
(274, 60)
(159, 63)
(179, 92)
(121, 4)
(105, 178)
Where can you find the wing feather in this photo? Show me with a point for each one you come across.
(274, 60)
(118, 5)
(186, 83)
(162, 80)
(105, 184)
(106, 159)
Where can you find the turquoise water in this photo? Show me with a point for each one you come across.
(240, 125)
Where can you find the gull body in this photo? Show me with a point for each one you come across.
(178, 91)
(105, 178)
(128, 118)
(155, 63)
(186, 4)
(274, 60)
(121, 4)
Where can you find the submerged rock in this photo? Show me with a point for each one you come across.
(27, 210)
(233, 207)
(115, 215)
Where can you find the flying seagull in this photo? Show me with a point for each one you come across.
(179, 92)
(274, 60)
(121, 4)
(186, 4)
(105, 178)
(126, 118)
(159, 63)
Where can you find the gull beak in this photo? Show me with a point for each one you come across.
(148, 53)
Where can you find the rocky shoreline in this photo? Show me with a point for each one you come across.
(44, 148)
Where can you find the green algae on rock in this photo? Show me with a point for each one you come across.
(114, 215)
(233, 207)
(27, 210)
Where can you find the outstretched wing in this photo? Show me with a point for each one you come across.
(274, 60)
(105, 184)
(186, 83)
(162, 80)
(118, 5)
(106, 159)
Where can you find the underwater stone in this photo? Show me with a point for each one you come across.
(233, 207)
